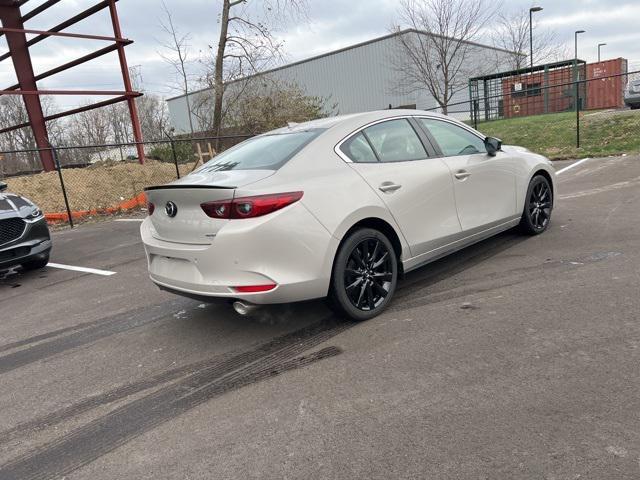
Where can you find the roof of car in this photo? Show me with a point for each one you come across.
(329, 122)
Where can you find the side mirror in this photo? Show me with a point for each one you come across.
(3, 186)
(493, 145)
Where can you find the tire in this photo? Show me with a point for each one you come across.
(360, 290)
(538, 206)
(36, 264)
(635, 106)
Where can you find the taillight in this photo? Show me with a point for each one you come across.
(255, 288)
(250, 207)
(150, 208)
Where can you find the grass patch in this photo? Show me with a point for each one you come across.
(602, 133)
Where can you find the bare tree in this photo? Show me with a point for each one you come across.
(438, 57)
(267, 104)
(178, 56)
(512, 34)
(246, 41)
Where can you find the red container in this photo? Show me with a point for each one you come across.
(604, 91)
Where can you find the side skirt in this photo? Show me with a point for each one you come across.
(443, 251)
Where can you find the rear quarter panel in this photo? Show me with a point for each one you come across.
(336, 195)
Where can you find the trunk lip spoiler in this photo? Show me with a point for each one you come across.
(185, 186)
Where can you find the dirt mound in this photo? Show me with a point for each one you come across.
(96, 187)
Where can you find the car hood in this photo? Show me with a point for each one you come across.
(515, 149)
(14, 206)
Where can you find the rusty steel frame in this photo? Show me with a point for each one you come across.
(13, 29)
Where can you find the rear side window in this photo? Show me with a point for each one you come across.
(358, 149)
(452, 139)
(267, 152)
(395, 141)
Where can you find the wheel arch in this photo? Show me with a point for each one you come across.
(381, 225)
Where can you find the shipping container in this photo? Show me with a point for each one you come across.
(606, 92)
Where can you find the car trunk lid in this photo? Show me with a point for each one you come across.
(177, 215)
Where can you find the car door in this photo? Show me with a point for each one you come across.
(484, 185)
(416, 187)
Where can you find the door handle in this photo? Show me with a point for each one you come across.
(461, 174)
(388, 187)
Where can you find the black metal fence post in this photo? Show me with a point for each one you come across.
(175, 157)
(577, 114)
(64, 190)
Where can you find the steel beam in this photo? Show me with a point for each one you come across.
(67, 23)
(19, 51)
(36, 93)
(131, 102)
(71, 64)
(46, 33)
(73, 111)
(38, 10)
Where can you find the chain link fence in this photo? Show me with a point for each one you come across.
(93, 180)
(571, 119)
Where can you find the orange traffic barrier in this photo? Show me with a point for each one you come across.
(139, 200)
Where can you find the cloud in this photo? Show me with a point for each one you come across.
(333, 24)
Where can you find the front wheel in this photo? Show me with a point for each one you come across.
(365, 275)
(537, 206)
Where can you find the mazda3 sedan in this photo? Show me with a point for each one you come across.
(339, 208)
(24, 235)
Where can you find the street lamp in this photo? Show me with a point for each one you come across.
(576, 44)
(575, 57)
(531, 10)
(600, 45)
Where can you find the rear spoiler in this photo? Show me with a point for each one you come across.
(169, 187)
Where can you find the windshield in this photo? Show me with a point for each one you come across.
(267, 152)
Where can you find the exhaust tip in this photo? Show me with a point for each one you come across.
(244, 308)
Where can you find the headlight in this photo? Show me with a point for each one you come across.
(35, 213)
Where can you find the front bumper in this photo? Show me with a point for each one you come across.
(34, 243)
(289, 248)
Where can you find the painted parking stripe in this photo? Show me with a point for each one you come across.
(105, 273)
(572, 165)
(129, 220)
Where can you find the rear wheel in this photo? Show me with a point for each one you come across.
(365, 275)
(538, 206)
(36, 263)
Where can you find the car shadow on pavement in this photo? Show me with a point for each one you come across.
(420, 282)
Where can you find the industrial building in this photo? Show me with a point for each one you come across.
(357, 78)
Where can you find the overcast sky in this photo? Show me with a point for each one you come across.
(332, 24)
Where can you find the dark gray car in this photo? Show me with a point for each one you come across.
(24, 235)
(632, 94)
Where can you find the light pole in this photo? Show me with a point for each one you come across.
(531, 10)
(575, 57)
(600, 45)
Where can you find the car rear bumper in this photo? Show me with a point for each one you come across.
(35, 243)
(290, 249)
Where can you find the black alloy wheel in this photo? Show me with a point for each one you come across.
(368, 275)
(538, 206)
(365, 275)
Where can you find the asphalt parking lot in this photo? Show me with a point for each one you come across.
(515, 358)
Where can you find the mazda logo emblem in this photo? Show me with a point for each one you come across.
(171, 209)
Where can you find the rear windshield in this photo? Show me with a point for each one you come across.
(267, 152)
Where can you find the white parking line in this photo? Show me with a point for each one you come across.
(572, 165)
(105, 273)
(129, 220)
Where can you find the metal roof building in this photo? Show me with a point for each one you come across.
(357, 78)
